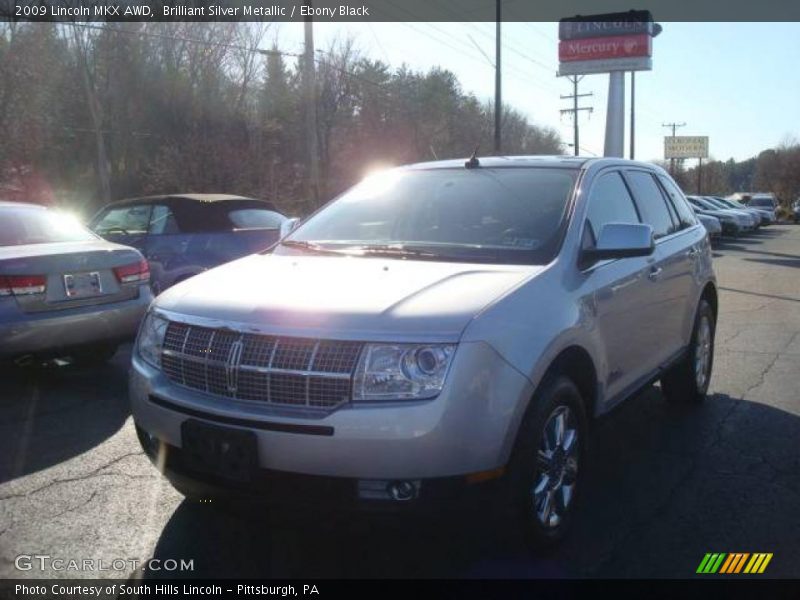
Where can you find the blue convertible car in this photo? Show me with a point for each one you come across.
(182, 235)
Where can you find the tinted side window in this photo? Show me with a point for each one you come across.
(126, 220)
(255, 218)
(651, 202)
(610, 202)
(685, 212)
(162, 221)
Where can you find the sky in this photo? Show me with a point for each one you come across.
(737, 83)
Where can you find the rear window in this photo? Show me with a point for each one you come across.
(21, 226)
(255, 218)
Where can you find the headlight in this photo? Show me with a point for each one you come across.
(151, 338)
(401, 371)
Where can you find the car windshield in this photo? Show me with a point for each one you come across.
(21, 226)
(717, 203)
(765, 202)
(703, 203)
(500, 215)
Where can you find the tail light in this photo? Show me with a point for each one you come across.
(22, 285)
(138, 272)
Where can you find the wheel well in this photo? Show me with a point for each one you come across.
(710, 295)
(183, 277)
(575, 363)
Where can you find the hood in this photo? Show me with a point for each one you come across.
(344, 297)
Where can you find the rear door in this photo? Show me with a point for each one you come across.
(670, 272)
(618, 286)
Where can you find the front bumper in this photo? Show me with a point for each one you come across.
(58, 331)
(316, 493)
(470, 427)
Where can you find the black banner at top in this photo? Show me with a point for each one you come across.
(394, 10)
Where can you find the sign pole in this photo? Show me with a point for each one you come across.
(633, 114)
(615, 115)
(699, 176)
(498, 73)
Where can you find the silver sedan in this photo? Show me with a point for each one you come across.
(63, 290)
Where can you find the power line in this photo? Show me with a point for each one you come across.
(575, 110)
(261, 51)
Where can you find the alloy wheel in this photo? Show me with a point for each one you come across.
(557, 468)
(702, 353)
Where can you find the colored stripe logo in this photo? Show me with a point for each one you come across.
(733, 563)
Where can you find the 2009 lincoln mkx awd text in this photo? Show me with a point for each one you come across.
(438, 328)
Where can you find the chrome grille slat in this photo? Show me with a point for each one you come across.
(279, 371)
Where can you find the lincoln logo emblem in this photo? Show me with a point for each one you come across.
(232, 365)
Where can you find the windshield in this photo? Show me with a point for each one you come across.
(717, 203)
(763, 202)
(703, 203)
(501, 215)
(21, 226)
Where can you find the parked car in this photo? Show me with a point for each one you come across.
(767, 216)
(753, 216)
(764, 202)
(732, 223)
(712, 225)
(438, 329)
(796, 212)
(63, 290)
(182, 235)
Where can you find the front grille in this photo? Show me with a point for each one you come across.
(282, 371)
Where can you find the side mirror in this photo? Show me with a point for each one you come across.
(621, 240)
(288, 226)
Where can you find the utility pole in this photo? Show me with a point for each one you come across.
(498, 95)
(672, 126)
(575, 110)
(699, 176)
(633, 114)
(310, 85)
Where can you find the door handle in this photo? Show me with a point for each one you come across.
(693, 253)
(655, 273)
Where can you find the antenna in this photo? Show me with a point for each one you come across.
(473, 160)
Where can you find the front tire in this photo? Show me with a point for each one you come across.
(545, 473)
(688, 381)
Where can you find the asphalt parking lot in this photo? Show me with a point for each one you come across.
(667, 483)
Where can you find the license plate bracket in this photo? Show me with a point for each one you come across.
(221, 451)
(82, 285)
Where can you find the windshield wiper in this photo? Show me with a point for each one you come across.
(311, 247)
(400, 250)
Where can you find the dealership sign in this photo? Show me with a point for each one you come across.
(615, 46)
(606, 43)
(686, 146)
(624, 23)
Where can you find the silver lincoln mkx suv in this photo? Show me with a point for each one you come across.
(439, 328)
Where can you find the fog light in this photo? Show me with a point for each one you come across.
(383, 489)
(402, 491)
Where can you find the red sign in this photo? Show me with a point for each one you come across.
(616, 46)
